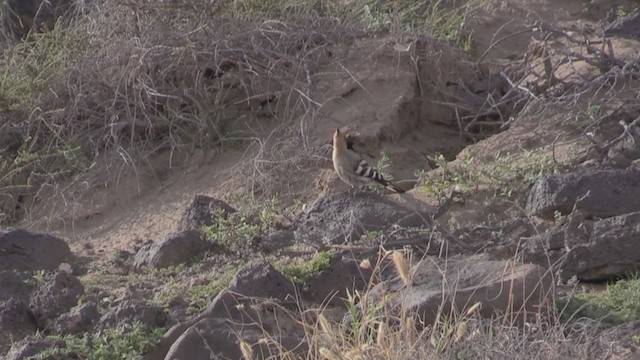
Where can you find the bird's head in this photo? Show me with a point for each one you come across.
(337, 136)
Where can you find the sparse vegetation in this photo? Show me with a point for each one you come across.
(200, 296)
(237, 232)
(509, 173)
(505, 174)
(299, 270)
(122, 342)
(449, 177)
(619, 303)
(36, 278)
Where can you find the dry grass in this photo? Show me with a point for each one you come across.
(179, 77)
(375, 331)
(193, 74)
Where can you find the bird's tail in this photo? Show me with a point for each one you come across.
(389, 185)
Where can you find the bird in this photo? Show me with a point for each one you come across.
(352, 168)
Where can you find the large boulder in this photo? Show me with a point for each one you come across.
(238, 303)
(274, 241)
(22, 250)
(600, 193)
(546, 249)
(15, 323)
(437, 286)
(201, 212)
(175, 249)
(344, 274)
(345, 217)
(31, 347)
(588, 250)
(218, 337)
(80, 319)
(260, 278)
(57, 294)
(607, 249)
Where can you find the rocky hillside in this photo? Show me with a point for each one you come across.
(167, 191)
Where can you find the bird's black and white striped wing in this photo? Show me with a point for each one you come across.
(365, 171)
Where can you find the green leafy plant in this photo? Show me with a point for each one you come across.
(234, 233)
(619, 303)
(508, 172)
(200, 296)
(124, 342)
(299, 270)
(448, 177)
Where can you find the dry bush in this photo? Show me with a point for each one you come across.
(180, 75)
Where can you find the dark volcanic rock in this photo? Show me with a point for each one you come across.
(131, 311)
(600, 193)
(175, 249)
(608, 249)
(260, 278)
(22, 250)
(217, 336)
(200, 212)
(78, 320)
(16, 284)
(345, 217)
(58, 293)
(30, 347)
(15, 323)
(343, 274)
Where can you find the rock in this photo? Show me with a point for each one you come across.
(200, 213)
(344, 273)
(217, 337)
(622, 154)
(78, 320)
(274, 241)
(610, 248)
(15, 323)
(228, 308)
(58, 293)
(175, 249)
(225, 305)
(624, 26)
(260, 278)
(16, 284)
(345, 217)
(131, 311)
(517, 291)
(610, 193)
(30, 347)
(546, 249)
(22, 250)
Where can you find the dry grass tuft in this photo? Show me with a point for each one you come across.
(402, 267)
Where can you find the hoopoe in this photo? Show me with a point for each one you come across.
(352, 168)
